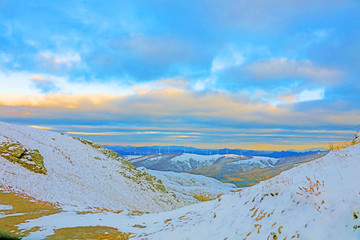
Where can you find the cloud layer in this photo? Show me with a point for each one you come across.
(211, 64)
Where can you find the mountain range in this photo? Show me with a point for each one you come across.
(149, 150)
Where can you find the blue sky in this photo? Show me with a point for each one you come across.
(255, 73)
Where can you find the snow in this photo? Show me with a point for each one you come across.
(5, 207)
(131, 157)
(230, 155)
(186, 185)
(176, 162)
(316, 200)
(200, 158)
(78, 175)
(259, 161)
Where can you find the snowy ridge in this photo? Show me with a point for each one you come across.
(316, 200)
(260, 162)
(180, 162)
(80, 175)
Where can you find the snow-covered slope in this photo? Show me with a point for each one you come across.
(75, 172)
(313, 201)
(178, 162)
(187, 185)
(245, 172)
(256, 162)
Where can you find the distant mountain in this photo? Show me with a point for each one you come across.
(245, 173)
(238, 169)
(176, 162)
(150, 150)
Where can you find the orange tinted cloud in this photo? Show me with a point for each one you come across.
(55, 100)
(161, 105)
(37, 78)
(41, 127)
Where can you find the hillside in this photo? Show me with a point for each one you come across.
(176, 162)
(74, 172)
(245, 173)
(315, 200)
(186, 185)
(237, 169)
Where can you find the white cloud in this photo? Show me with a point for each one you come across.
(311, 95)
(23, 83)
(203, 84)
(230, 57)
(288, 68)
(33, 83)
(59, 61)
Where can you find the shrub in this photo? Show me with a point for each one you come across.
(345, 144)
(341, 145)
(202, 197)
(29, 159)
(7, 235)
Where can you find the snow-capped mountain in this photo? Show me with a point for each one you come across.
(175, 162)
(240, 170)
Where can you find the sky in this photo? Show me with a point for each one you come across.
(254, 74)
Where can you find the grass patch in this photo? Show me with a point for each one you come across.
(28, 209)
(29, 159)
(202, 197)
(341, 144)
(100, 148)
(91, 232)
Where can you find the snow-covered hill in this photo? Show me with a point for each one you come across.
(59, 168)
(176, 162)
(313, 201)
(185, 162)
(255, 162)
(186, 185)
(241, 170)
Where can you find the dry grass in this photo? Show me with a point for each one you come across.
(341, 144)
(203, 197)
(24, 208)
(94, 232)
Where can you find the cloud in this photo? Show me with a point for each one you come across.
(161, 49)
(33, 83)
(44, 85)
(311, 95)
(216, 64)
(179, 107)
(58, 62)
(288, 68)
(42, 127)
(230, 57)
(270, 17)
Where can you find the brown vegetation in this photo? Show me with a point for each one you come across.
(23, 209)
(93, 232)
